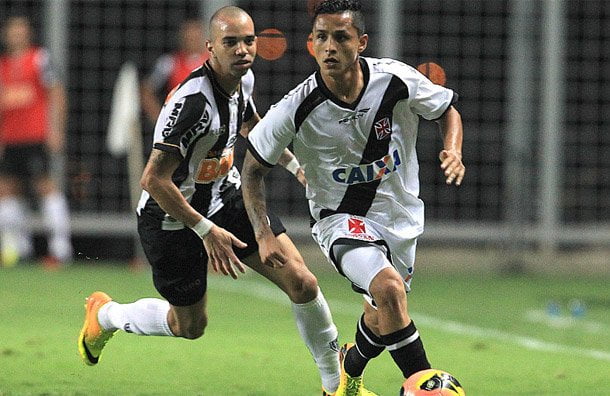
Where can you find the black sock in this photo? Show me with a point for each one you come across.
(368, 346)
(407, 350)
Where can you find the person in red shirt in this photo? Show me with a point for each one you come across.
(171, 69)
(32, 124)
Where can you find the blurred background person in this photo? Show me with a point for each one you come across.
(32, 125)
(171, 69)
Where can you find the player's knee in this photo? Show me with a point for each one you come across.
(389, 292)
(303, 287)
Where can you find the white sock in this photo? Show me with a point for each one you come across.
(57, 217)
(315, 324)
(13, 225)
(147, 316)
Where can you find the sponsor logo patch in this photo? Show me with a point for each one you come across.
(334, 345)
(219, 131)
(354, 116)
(368, 172)
(172, 118)
(196, 129)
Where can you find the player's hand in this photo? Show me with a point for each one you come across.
(300, 175)
(451, 163)
(219, 244)
(271, 253)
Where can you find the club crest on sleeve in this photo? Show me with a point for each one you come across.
(383, 128)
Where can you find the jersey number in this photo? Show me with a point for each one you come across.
(211, 169)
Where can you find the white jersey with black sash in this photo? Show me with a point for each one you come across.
(358, 158)
(200, 123)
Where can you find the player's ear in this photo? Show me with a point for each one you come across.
(208, 45)
(362, 43)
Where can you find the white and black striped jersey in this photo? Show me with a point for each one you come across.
(200, 122)
(358, 158)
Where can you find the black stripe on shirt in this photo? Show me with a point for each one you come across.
(366, 75)
(313, 100)
(358, 198)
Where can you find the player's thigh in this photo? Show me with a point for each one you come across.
(178, 261)
(9, 186)
(360, 262)
(44, 185)
(294, 278)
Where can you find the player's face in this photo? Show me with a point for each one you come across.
(336, 43)
(192, 37)
(233, 46)
(17, 34)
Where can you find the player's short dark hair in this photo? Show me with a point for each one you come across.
(337, 6)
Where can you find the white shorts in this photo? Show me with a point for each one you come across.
(349, 229)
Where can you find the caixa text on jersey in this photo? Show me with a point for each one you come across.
(368, 172)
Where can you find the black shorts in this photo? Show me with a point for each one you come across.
(26, 162)
(178, 259)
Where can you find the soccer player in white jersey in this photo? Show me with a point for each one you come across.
(191, 211)
(353, 125)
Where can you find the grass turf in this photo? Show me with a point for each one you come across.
(490, 332)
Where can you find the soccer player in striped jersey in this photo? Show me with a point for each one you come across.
(353, 125)
(191, 211)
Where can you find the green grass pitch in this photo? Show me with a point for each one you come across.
(491, 332)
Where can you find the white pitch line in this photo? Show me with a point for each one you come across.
(566, 322)
(273, 294)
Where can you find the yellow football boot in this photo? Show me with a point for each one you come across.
(93, 337)
(349, 386)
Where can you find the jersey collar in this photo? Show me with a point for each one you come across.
(333, 98)
(216, 85)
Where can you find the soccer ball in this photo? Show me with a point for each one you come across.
(431, 382)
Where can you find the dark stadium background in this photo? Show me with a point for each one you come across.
(495, 55)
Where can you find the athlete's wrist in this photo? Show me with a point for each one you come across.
(203, 227)
(293, 166)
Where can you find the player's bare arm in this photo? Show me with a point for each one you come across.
(290, 162)
(157, 181)
(287, 160)
(58, 115)
(451, 155)
(253, 187)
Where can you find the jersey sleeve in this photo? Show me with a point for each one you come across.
(428, 99)
(181, 122)
(273, 133)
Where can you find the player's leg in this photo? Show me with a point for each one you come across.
(311, 312)
(15, 238)
(388, 323)
(56, 214)
(154, 316)
(103, 317)
(53, 205)
(179, 275)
